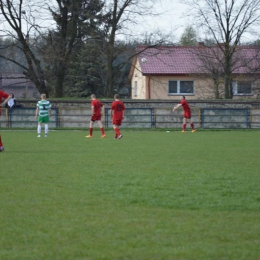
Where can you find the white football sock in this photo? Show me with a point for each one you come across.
(39, 129)
(46, 129)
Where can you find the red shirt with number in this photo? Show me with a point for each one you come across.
(118, 107)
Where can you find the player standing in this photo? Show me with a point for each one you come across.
(43, 113)
(186, 114)
(6, 97)
(96, 107)
(117, 114)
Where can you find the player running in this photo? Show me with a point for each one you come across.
(186, 114)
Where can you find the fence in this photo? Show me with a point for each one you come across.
(77, 118)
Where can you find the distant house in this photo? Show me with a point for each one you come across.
(167, 72)
(18, 85)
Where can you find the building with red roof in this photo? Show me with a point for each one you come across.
(17, 84)
(167, 72)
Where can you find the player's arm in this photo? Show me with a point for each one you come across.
(36, 112)
(5, 101)
(176, 107)
(92, 110)
(111, 113)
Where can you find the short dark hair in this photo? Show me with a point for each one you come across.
(183, 97)
(116, 96)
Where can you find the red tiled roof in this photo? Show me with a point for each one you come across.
(170, 60)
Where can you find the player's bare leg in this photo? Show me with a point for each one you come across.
(184, 122)
(117, 132)
(116, 135)
(1, 145)
(90, 129)
(192, 126)
(101, 129)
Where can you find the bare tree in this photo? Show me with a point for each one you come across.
(209, 61)
(120, 14)
(227, 21)
(15, 18)
(47, 43)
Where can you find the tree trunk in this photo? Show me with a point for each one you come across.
(41, 86)
(216, 88)
(110, 78)
(59, 85)
(110, 69)
(60, 70)
(228, 75)
(38, 80)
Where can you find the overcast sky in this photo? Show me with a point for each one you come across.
(171, 20)
(173, 15)
(175, 19)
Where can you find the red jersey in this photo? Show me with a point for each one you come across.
(118, 107)
(186, 109)
(185, 105)
(2, 95)
(97, 107)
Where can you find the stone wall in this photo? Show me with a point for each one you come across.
(151, 103)
(141, 114)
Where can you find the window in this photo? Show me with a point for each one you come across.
(173, 87)
(135, 88)
(180, 87)
(242, 88)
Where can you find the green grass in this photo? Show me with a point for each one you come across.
(151, 195)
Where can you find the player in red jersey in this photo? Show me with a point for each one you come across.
(96, 107)
(6, 97)
(186, 114)
(117, 113)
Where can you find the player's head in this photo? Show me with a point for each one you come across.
(43, 96)
(182, 97)
(116, 96)
(93, 96)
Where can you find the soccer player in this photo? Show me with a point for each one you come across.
(6, 97)
(43, 113)
(96, 107)
(186, 114)
(117, 114)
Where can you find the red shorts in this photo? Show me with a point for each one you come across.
(187, 114)
(96, 118)
(117, 122)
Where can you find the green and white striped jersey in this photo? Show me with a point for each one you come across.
(44, 106)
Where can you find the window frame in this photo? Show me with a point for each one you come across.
(179, 87)
(235, 88)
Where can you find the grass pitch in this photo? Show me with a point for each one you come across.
(152, 195)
